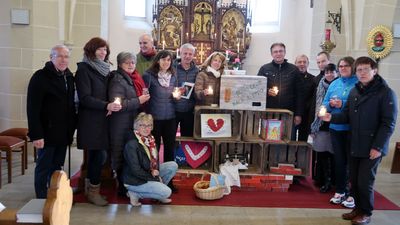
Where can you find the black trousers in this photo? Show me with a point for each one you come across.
(340, 144)
(95, 162)
(186, 121)
(362, 177)
(165, 129)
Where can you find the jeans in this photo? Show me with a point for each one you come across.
(155, 189)
(49, 159)
(96, 160)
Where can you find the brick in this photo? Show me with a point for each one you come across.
(286, 166)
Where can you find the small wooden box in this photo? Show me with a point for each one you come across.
(236, 122)
(254, 152)
(252, 124)
(296, 153)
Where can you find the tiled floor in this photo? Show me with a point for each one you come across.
(21, 190)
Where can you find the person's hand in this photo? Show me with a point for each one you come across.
(38, 143)
(373, 154)
(327, 117)
(155, 173)
(339, 103)
(272, 92)
(297, 120)
(114, 107)
(144, 98)
(332, 103)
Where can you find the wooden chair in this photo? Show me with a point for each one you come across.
(57, 208)
(9, 145)
(21, 133)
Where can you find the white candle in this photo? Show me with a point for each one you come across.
(238, 45)
(226, 54)
(322, 111)
(210, 90)
(117, 100)
(275, 89)
(163, 44)
(177, 54)
(176, 93)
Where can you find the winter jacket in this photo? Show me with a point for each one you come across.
(185, 105)
(50, 106)
(143, 63)
(371, 112)
(137, 164)
(287, 78)
(121, 122)
(161, 104)
(92, 121)
(203, 81)
(340, 88)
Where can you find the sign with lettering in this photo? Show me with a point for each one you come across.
(243, 92)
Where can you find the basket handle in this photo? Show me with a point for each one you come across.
(212, 176)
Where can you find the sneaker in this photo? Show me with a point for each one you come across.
(349, 202)
(337, 198)
(134, 198)
(165, 200)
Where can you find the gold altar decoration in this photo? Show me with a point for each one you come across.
(207, 24)
(380, 42)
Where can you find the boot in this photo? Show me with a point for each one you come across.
(326, 167)
(94, 196)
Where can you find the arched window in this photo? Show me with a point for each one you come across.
(135, 9)
(266, 16)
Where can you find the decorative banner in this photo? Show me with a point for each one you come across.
(215, 125)
(380, 42)
(196, 152)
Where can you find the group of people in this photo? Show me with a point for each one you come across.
(129, 112)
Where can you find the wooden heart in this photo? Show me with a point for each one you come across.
(215, 126)
(196, 152)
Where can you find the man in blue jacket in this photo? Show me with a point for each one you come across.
(371, 111)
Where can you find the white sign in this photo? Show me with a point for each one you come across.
(215, 125)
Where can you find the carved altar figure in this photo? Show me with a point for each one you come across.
(233, 27)
(171, 27)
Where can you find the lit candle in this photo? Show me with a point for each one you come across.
(177, 54)
(327, 34)
(226, 54)
(238, 45)
(322, 111)
(176, 93)
(117, 100)
(163, 44)
(187, 36)
(210, 90)
(275, 89)
(215, 35)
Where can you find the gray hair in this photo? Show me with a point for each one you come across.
(123, 56)
(142, 117)
(146, 35)
(54, 50)
(188, 46)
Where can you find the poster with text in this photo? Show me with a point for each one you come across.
(215, 125)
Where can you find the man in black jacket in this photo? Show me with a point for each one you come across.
(371, 110)
(284, 86)
(51, 115)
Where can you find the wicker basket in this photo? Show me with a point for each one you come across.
(204, 191)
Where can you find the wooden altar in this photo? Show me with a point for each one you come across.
(207, 24)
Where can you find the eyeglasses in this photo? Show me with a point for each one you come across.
(146, 125)
(361, 70)
(344, 66)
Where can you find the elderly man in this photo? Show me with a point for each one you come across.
(287, 79)
(308, 84)
(186, 71)
(147, 53)
(51, 115)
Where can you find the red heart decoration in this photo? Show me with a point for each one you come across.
(196, 152)
(215, 126)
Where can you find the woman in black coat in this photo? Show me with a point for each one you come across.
(91, 84)
(371, 110)
(122, 86)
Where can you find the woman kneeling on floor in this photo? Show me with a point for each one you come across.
(144, 177)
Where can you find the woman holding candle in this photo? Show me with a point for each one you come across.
(207, 85)
(92, 78)
(322, 144)
(126, 88)
(335, 100)
(161, 81)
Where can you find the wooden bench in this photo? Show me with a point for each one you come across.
(57, 208)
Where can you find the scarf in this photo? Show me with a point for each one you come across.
(100, 66)
(216, 73)
(164, 78)
(149, 145)
(149, 54)
(138, 82)
(321, 91)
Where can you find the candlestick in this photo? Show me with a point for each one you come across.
(210, 90)
(117, 100)
(163, 45)
(176, 93)
(322, 110)
(275, 89)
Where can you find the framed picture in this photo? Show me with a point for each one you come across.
(215, 125)
(273, 130)
(187, 90)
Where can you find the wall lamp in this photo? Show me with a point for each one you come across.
(336, 19)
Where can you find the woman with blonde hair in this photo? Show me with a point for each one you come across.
(209, 78)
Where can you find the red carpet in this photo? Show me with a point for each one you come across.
(302, 195)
